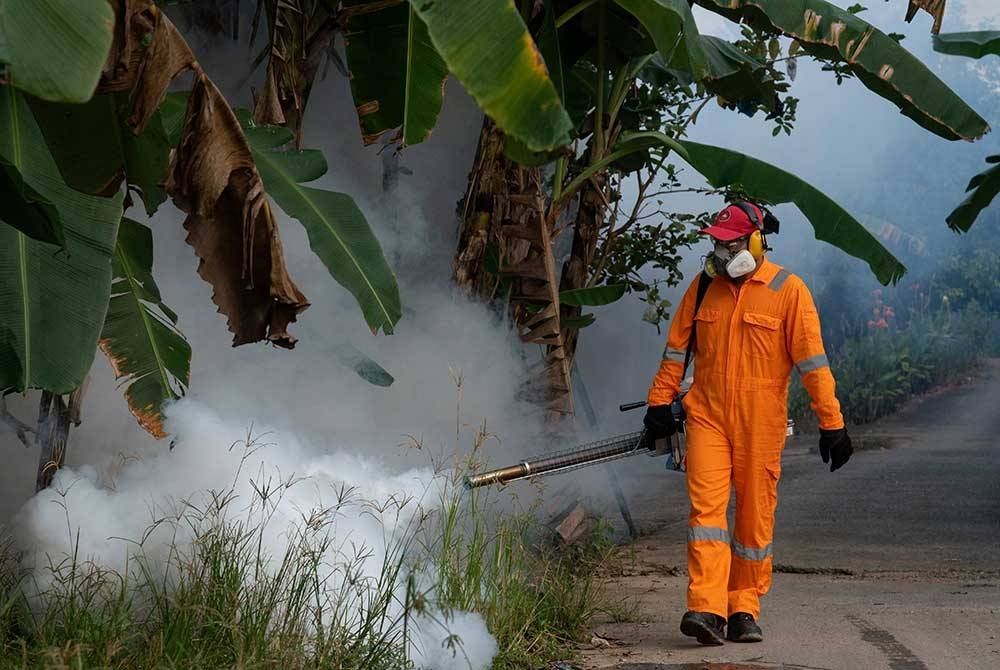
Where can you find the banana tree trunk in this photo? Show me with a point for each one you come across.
(576, 270)
(505, 257)
(55, 416)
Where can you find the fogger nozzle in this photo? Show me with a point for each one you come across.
(590, 454)
(501, 476)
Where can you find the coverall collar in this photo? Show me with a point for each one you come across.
(765, 273)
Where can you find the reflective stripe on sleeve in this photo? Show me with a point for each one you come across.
(696, 533)
(779, 279)
(677, 355)
(812, 363)
(749, 553)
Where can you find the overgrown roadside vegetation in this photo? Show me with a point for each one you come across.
(320, 597)
(905, 340)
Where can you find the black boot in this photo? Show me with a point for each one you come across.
(742, 628)
(708, 628)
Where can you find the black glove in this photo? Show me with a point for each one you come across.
(835, 444)
(659, 421)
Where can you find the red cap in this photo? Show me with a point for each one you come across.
(732, 223)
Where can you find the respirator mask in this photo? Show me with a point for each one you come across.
(727, 259)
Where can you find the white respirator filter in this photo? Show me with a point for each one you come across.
(741, 264)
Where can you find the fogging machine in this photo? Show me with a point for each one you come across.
(593, 453)
(602, 451)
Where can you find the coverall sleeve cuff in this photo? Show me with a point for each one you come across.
(659, 396)
(832, 425)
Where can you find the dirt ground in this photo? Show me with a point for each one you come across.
(891, 562)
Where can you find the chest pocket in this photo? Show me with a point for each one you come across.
(765, 337)
(709, 330)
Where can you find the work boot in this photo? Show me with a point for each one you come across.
(706, 627)
(742, 628)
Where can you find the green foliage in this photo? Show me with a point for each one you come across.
(975, 44)
(594, 296)
(852, 45)
(52, 299)
(982, 189)
(912, 339)
(397, 77)
(95, 149)
(55, 49)
(140, 333)
(506, 74)
(659, 245)
(338, 231)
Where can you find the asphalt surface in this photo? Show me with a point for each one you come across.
(891, 562)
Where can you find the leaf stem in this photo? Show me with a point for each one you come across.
(573, 11)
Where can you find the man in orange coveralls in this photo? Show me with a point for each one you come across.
(755, 323)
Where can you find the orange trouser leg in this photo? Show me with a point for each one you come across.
(709, 474)
(756, 469)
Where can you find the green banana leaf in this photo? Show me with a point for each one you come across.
(52, 299)
(95, 149)
(26, 209)
(397, 77)
(489, 50)
(140, 336)
(880, 63)
(425, 77)
(760, 180)
(172, 111)
(548, 45)
(55, 49)
(373, 373)
(337, 230)
(577, 322)
(735, 75)
(593, 296)
(984, 188)
(974, 44)
(674, 31)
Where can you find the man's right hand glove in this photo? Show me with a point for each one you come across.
(659, 421)
(835, 447)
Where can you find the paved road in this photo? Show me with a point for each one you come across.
(892, 562)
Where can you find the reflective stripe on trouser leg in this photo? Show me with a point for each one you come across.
(709, 473)
(756, 469)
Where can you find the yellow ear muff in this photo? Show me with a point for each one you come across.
(756, 245)
(710, 268)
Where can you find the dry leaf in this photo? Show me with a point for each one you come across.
(933, 7)
(212, 177)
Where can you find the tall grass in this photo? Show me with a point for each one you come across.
(220, 598)
(535, 593)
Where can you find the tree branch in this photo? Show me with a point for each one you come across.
(19, 427)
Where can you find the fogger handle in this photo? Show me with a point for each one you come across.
(631, 405)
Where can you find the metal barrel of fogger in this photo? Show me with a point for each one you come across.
(590, 454)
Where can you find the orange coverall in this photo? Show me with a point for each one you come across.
(748, 339)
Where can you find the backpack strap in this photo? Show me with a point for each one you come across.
(704, 281)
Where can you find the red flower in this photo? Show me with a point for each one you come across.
(889, 312)
(881, 324)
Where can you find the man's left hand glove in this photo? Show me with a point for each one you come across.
(835, 447)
